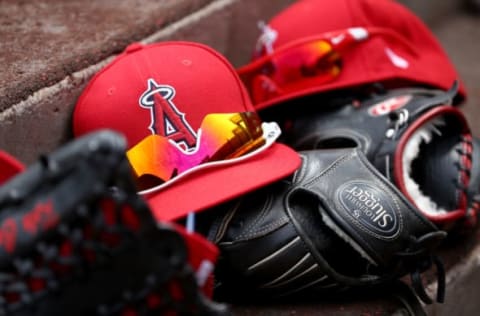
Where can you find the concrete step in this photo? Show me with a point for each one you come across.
(50, 48)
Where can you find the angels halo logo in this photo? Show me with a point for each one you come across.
(165, 118)
(369, 206)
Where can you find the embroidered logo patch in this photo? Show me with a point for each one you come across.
(165, 117)
(370, 207)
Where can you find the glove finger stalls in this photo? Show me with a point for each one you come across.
(263, 254)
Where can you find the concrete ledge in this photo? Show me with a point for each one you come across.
(40, 85)
(432, 12)
(459, 36)
(45, 41)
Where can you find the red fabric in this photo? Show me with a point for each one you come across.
(191, 80)
(9, 166)
(428, 64)
(203, 80)
(200, 251)
(206, 188)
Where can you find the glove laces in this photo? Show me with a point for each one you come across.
(421, 260)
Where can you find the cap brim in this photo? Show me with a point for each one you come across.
(292, 93)
(357, 71)
(9, 167)
(209, 187)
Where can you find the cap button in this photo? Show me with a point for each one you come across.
(133, 47)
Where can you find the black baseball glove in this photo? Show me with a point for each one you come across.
(337, 224)
(76, 239)
(413, 136)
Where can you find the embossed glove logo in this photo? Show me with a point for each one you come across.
(371, 207)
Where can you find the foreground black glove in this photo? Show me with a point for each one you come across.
(413, 136)
(337, 224)
(76, 239)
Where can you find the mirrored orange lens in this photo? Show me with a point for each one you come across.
(221, 136)
(317, 58)
(311, 59)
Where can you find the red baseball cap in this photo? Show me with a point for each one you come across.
(402, 52)
(9, 166)
(168, 89)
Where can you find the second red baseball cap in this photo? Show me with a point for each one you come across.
(168, 89)
(403, 50)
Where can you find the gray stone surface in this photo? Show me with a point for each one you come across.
(44, 41)
(459, 33)
(463, 282)
(433, 11)
(44, 73)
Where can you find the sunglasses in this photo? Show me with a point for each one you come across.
(316, 57)
(223, 138)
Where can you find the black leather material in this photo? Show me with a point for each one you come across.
(363, 123)
(443, 154)
(78, 240)
(374, 125)
(362, 204)
(336, 224)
